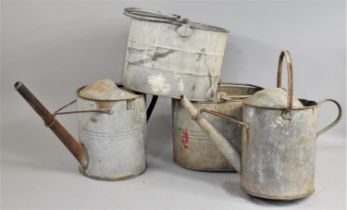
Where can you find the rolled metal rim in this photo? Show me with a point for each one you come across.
(157, 16)
(197, 169)
(238, 84)
(304, 101)
(137, 95)
(112, 178)
(283, 198)
(231, 85)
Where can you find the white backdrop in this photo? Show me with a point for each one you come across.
(56, 47)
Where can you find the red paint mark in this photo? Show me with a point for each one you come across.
(185, 138)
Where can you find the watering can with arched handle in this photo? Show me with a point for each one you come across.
(278, 148)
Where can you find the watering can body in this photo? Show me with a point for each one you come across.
(112, 132)
(278, 146)
(115, 143)
(278, 155)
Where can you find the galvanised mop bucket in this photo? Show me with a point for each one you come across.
(171, 56)
(191, 146)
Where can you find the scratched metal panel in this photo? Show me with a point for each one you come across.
(160, 62)
(115, 143)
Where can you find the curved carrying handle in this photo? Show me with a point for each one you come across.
(285, 54)
(224, 96)
(338, 118)
(183, 29)
(225, 116)
(150, 15)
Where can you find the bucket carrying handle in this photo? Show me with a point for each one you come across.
(237, 98)
(285, 54)
(150, 15)
(184, 29)
(224, 116)
(338, 118)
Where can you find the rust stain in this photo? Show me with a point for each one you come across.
(93, 119)
(104, 105)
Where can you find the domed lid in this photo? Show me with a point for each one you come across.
(105, 90)
(277, 97)
(274, 98)
(157, 16)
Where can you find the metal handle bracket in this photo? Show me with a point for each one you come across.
(58, 112)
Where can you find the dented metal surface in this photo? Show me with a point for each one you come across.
(115, 143)
(192, 147)
(161, 60)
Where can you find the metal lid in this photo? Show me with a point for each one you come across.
(105, 90)
(272, 98)
(157, 16)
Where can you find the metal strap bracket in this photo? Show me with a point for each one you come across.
(58, 112)
(130, 104)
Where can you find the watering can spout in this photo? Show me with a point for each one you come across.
(51, 122)
(229, 152)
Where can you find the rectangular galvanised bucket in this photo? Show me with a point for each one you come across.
(170, 56)
(192, 147)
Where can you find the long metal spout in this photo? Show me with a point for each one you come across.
(222, 144)
(65, 137)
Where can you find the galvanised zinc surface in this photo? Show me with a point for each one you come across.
(278, 154)
(115, 143)
(159, 61)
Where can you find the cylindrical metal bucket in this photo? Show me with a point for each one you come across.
(192, 147)
(115, 143)
(170, 56)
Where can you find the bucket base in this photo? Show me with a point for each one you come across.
(275, 197)
(182, 165)
(112, 178)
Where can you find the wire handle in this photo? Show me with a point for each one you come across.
(224, 96)
(151, 15)
(224, 116)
